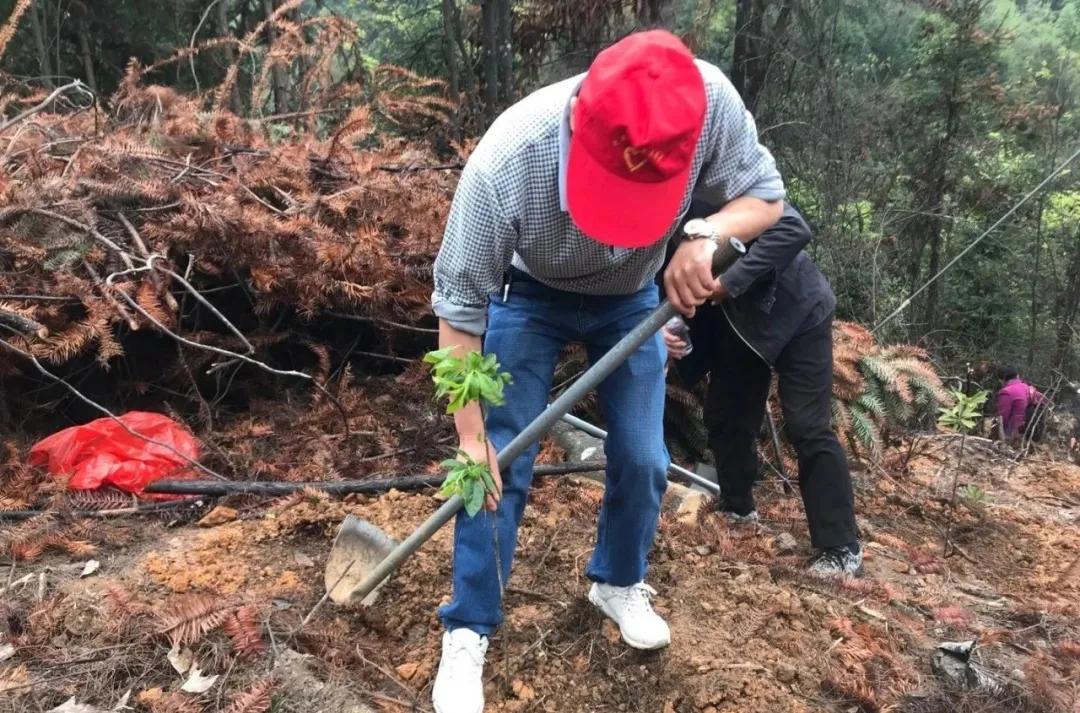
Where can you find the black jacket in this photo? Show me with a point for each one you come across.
(774, 293)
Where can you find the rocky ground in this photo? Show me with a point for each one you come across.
(750, 630)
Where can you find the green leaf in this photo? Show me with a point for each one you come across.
(474, 498)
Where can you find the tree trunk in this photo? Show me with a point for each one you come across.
(745, 61)
(221, 20)
(278, 74)
(490, 43)
(83, 31)
(754, 46)
(37, 23)
(1069, 304)
(933, 292)
(1033, 327)
(449, 50)
(506, 51)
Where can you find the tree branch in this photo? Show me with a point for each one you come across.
(43, 104)
(225, 352)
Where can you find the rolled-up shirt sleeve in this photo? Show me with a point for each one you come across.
(476, 251)
(737, 164)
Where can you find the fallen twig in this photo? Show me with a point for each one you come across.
(107, 293)
(339, 487)
(88, 229)
(43, 104)
(22, 323)
(381, 321)
(389, 675)
(225, 352)
(159, 284)
(148, 509)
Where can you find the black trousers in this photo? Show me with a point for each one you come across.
(734, 413)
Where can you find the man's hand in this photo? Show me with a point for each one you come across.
(688, 280)
(675, 346)
(480, 450)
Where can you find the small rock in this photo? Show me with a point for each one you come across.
(703, 550)
(785, 543)
(303, 560)
(407, 670)
(691, 507)
(786, 673)
(90, 567)
(522, 690)
(218, 516)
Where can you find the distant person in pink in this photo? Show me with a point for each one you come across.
(1013, 402)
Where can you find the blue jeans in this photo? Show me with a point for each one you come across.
(527, 333)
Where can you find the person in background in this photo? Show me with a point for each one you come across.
(1015, 403)
(774, 312)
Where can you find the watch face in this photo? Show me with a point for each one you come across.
(698, 226)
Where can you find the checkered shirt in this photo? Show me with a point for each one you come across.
(510, 203)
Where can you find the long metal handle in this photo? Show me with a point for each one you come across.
(724, 257)
(674, 468)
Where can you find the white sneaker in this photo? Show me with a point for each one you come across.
(631, 608)
(459, 685)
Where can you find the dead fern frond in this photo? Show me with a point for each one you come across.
(99, 499)
(255, 700)
(188, 617)
(147, 297)
(66, 345)
(8, 30)
(175, 702)
(245, 632)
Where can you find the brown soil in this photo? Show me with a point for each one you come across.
(751, 632)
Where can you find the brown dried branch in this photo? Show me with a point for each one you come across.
(186, 618)
(107, 293)
(22, 323)
(255, 700)
(8, 30)
(76, 85)
(225, 352)
(161, 285)
(245, 632)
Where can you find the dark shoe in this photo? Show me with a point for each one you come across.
(734, 515)
(832, 562)
(734, 518)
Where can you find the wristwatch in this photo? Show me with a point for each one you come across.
(699, 228)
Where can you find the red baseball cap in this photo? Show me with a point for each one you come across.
(637, 119)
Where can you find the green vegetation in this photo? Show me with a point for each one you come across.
(473, 379)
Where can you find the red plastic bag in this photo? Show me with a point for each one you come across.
(102, 452)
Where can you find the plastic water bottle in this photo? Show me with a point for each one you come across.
(678, 328)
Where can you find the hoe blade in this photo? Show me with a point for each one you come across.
(358, 548)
